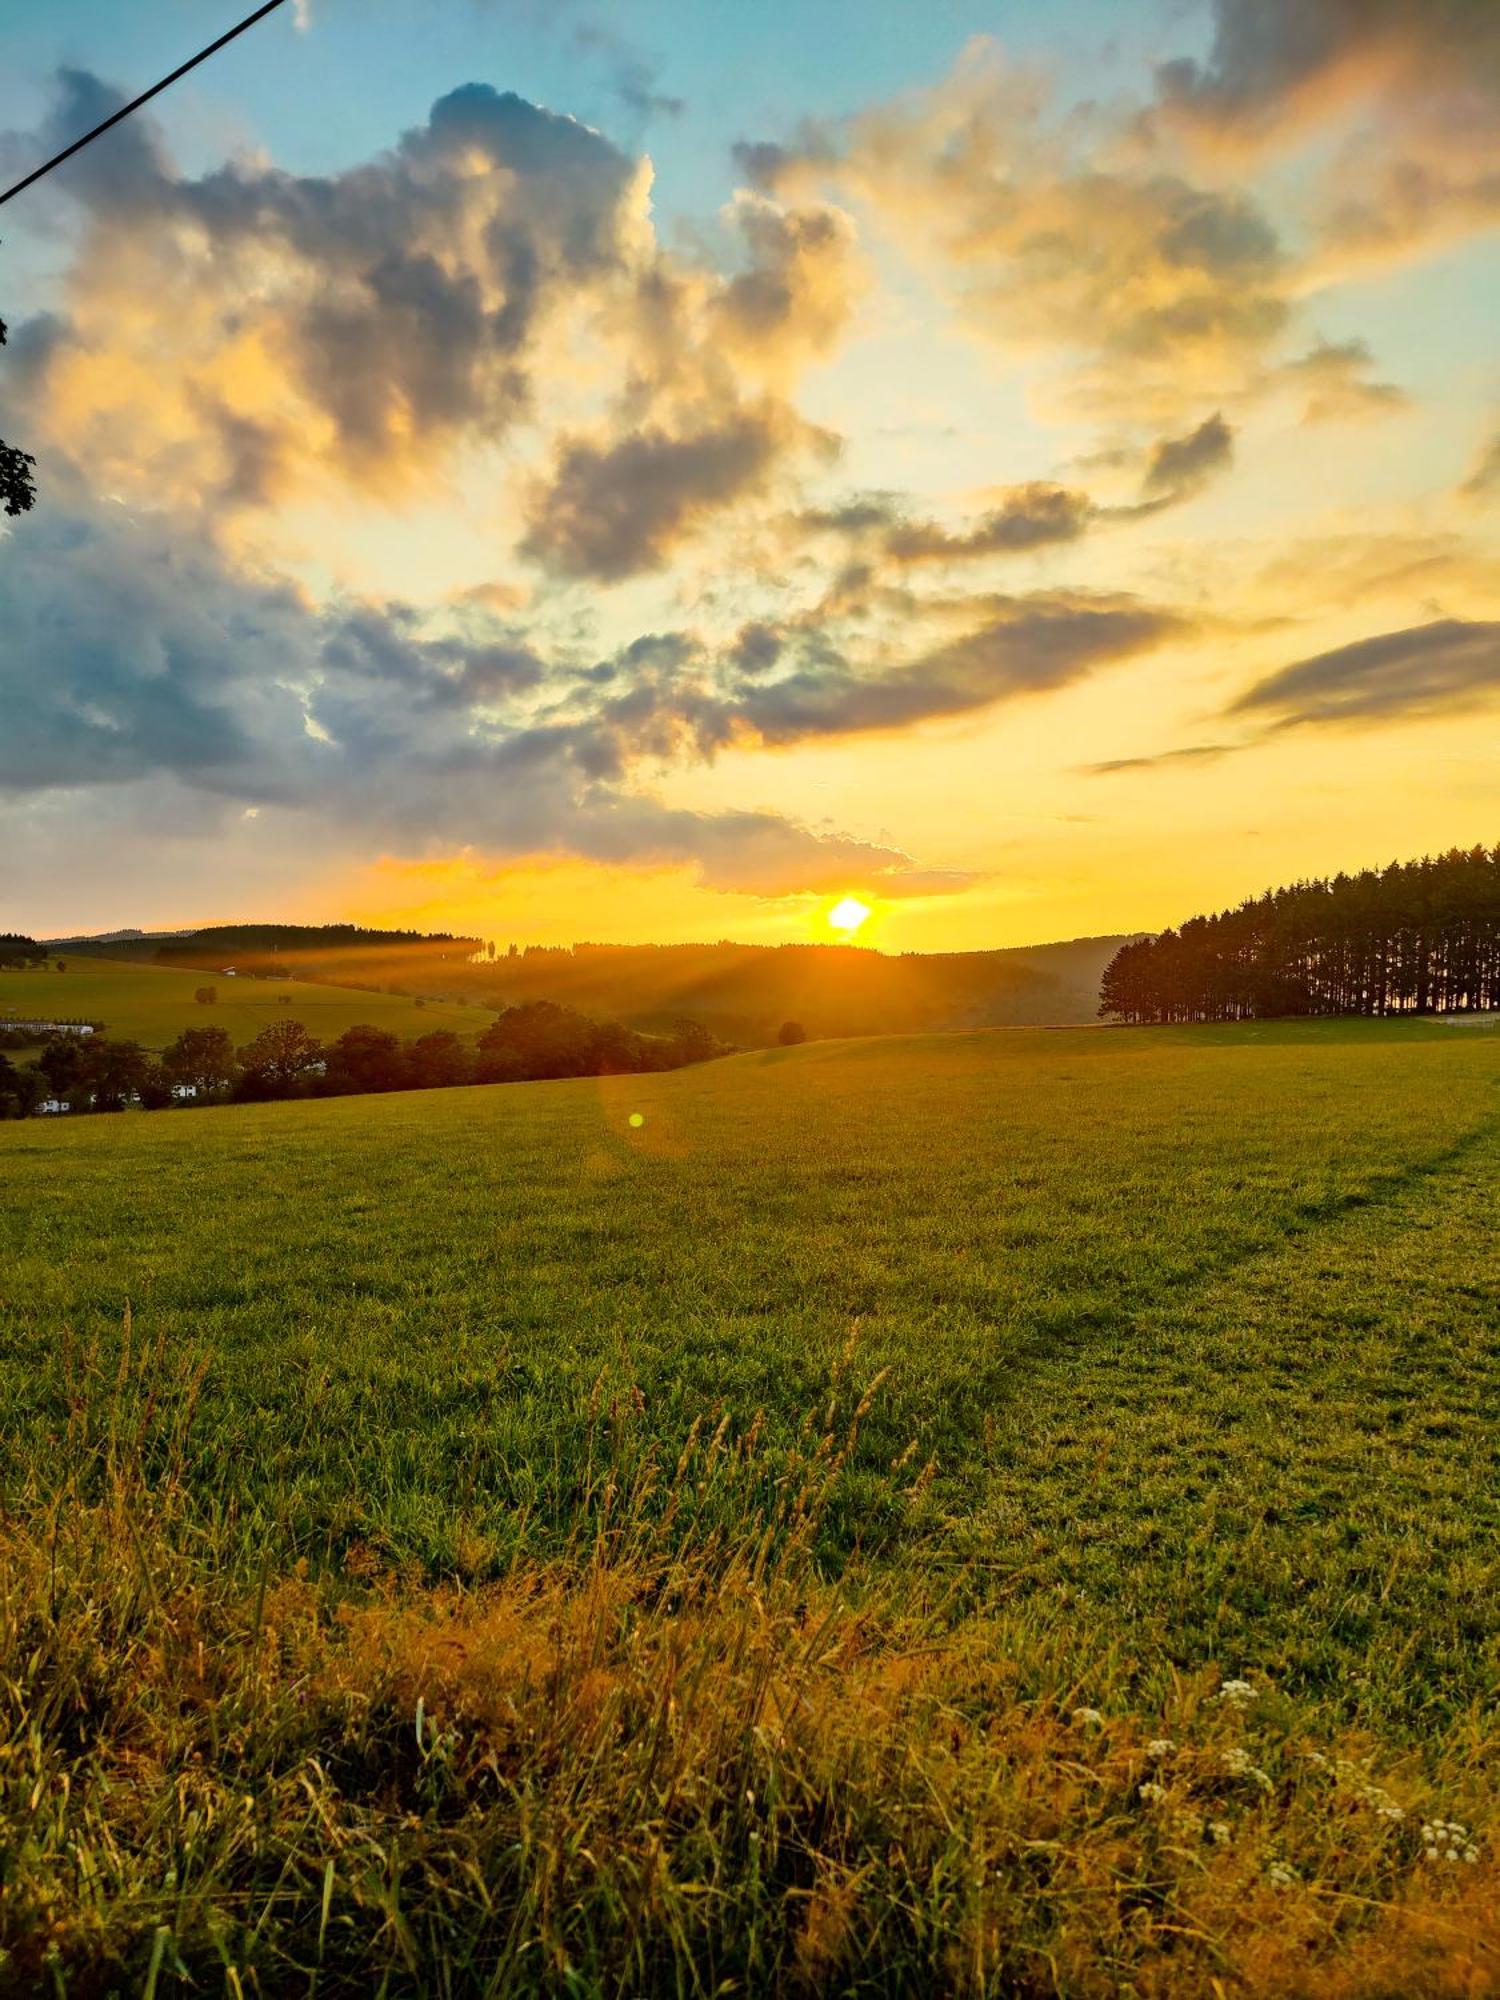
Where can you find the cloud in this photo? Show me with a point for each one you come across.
(1180, 466)
(632, 78)
(1188, 753)
(1334, 377)
(1037, 515)
(139, 668)
(1279, 64)
(613, 509)
(1152, 295)
(252, 337)
(1451, 664)
(1032, 516)
(1115, 241)
(1018, 646)
(1414, 85)
(1485, 478)
(363, 322)
(800, 278)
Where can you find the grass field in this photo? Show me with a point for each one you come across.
(751, 1549)
(153, 1004)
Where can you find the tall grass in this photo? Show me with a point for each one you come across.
(673, 1759)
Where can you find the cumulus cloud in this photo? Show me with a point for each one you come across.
(1160, 293)
(799, 278)
(1414, 85)
(1034, 516)
(1280, 63)
(241, 338)
(1108, 237)
(361, 323)
(1447, 665)
(613, 509)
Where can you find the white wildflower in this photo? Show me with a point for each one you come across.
(1153, 1793)
(1380, 1802)
(1282, 1874)
(1448, 1840)
(1238, 1764)
(1220, 1832)
(1086, 1718)
(1346, 1771)
(1159, 1747)
(1237, 1693)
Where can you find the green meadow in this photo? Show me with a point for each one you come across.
(1086, 1370)
(152, 1004)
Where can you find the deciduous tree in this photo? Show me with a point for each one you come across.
(17, 487)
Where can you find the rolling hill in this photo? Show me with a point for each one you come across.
(743, 993)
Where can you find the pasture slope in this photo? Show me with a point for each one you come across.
(152, 1004)
(983, 1514)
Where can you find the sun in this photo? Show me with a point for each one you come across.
(847, 916)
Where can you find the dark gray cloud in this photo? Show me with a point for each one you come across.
(612, 510)
(1021, 645)
(1189, 753)
(138, 668)
(1179, 466)
(1412, 87)
(1037, 515)
(1451, 664)
(1034, 516)
(757, 648)
(1274, 59)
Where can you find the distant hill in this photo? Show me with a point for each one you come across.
(746, 992)
(742, 993)
(94, 941)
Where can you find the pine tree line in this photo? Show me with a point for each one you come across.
(1418, 937)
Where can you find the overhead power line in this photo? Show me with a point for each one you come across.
(144, 98)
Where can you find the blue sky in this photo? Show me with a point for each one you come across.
(368, 68)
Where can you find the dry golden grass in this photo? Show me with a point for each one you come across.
(670, 1763)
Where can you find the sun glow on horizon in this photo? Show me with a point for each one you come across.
(847, 917)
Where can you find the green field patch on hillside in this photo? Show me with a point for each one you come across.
(152, 1004)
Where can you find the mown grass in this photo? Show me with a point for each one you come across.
(152, 1004)
(475, 1576)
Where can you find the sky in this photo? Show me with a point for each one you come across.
(659, 471)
